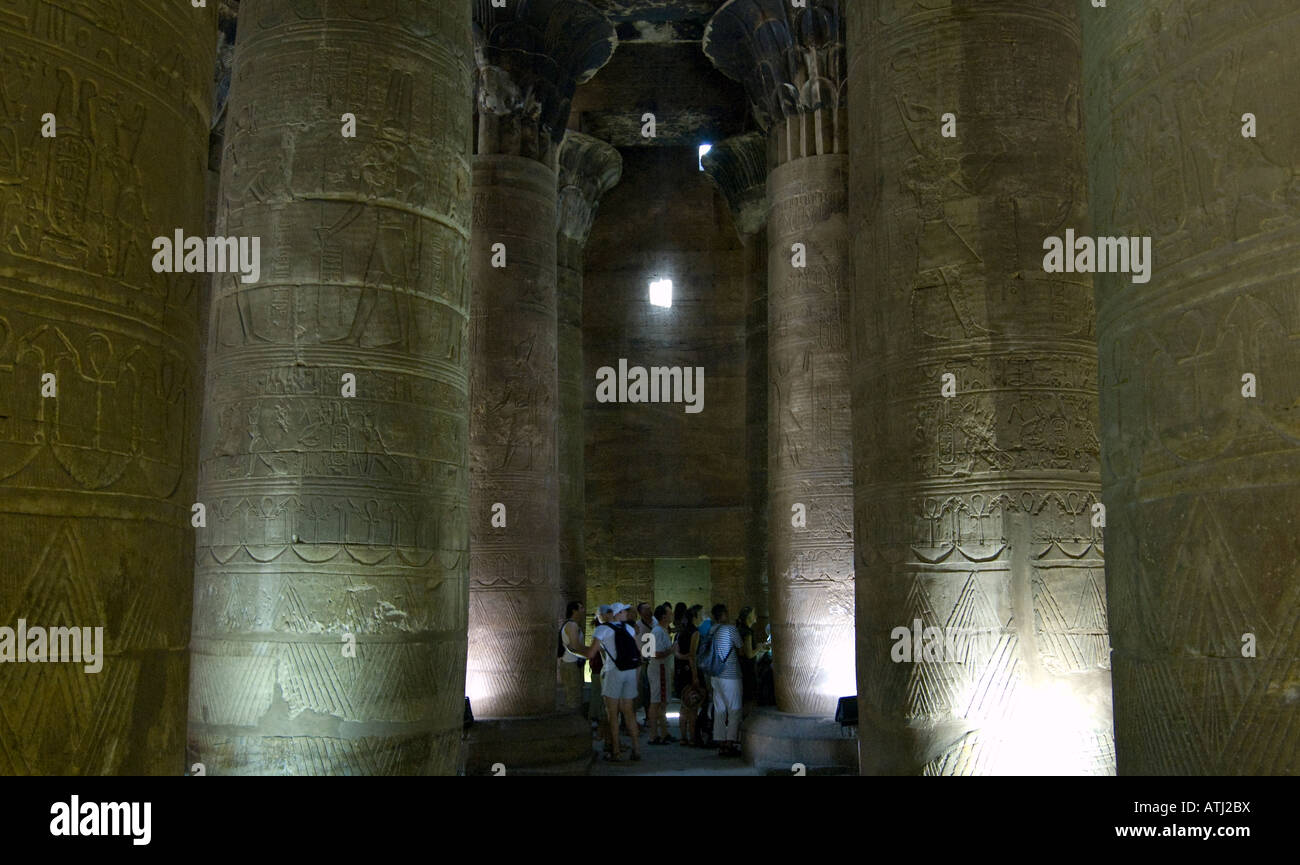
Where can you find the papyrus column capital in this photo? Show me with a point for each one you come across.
(791, 61)
(588, 168)
(529, 58)
(738, 166)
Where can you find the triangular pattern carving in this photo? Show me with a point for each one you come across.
(1206, 596)
(50, 707)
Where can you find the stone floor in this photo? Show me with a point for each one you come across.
(670, 759)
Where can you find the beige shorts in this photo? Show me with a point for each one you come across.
(619, 684)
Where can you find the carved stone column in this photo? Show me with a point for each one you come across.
(588, 168)
(1201, 481)
(739, 168)
(975, 396)
(329, 625)
(227, 19)
(530, 58)
(97, 460)
(791, 62)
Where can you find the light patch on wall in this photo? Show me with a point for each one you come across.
(655, 31)
(661, 292)
(704, 148)
(1051, 732)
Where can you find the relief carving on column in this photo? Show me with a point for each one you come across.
(588, 168)
(974, 508)
(791, 61)
(97, 473)
(809, 435)
(1201, 482)
(530, 57)
(738, 166)
(331, 514)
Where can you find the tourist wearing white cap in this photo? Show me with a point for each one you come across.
(616, 644)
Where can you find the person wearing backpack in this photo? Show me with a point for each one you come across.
(616, 642)
(704, 720)
(719, 658)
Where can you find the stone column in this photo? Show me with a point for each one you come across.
(739, 168)
(228, 18)
(588, 168)
(975, 396)
(792, 66)
(1201, 476)
(530, 58)
(329, 625)
(103, 138)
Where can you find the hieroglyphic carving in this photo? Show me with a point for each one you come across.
(123, 420)
(792, 64)
(809, 436)
(973, 512)
(330, 514)
(514, 570)
(96, 482)
(738, 166)
(1201, 483)
(530, 57)
(588, 168)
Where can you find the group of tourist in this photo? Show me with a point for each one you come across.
(712, 668)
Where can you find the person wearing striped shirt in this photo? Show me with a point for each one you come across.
(727, 692)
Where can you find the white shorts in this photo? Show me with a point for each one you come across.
(658, 675)
(619, 684)
(726, 709)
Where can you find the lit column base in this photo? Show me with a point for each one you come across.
(773, 741)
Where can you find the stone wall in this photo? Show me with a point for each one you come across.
(662, 482)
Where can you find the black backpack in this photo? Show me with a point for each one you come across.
(559, 641)
(628, 657)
